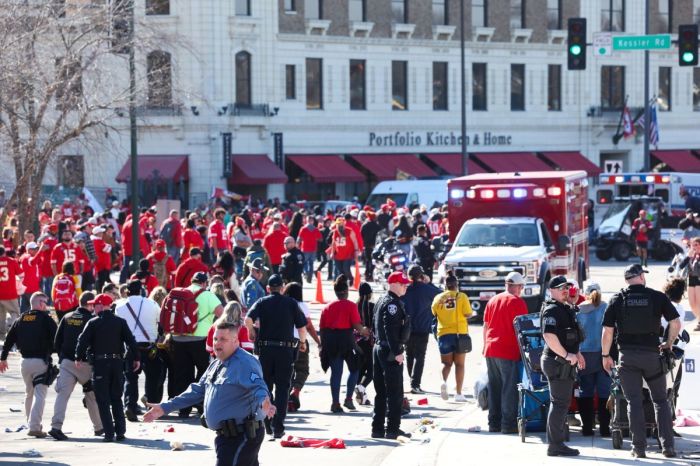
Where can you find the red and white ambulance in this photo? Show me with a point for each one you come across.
(535, 223)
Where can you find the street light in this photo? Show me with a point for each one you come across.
(465, 170)
(134, 147)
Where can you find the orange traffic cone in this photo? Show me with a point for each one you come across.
(356, 281)
(319, 291)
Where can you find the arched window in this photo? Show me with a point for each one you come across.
(160, 81)
(243, 86)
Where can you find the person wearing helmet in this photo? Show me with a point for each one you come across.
(640, 233)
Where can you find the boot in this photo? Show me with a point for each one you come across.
(603, 419)
(585, 408)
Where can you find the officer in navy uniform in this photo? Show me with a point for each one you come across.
(277, 316)
(235, 399)
(636, 313)
(392, 330)
(560, 357)
(103, 339)
(292, 267)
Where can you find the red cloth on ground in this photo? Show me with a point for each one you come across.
(301, 442)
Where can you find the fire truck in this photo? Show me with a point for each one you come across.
(534, 223)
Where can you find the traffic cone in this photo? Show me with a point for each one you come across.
(356, 281)
(319, 291)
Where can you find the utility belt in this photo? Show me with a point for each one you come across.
(100, 357)
(150, 348)
(565, 370)
(278, 344)
(391, 357)
(231, 429)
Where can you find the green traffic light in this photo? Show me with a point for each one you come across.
(575, 50)
(688, 57)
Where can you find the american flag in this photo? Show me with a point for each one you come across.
(654, 130)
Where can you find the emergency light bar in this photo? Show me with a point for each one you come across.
(636, 178)
(506, 193)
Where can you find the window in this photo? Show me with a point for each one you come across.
(290, 5)
(664, 94)
(157, 7)
(696, 89)
(358, 10)
(440, 16)
(612, 87)
(243, 82)
(314, 84)
(399, 11)
(479, 90)
(554, 14)
(242, 7)
(290, 82)
(696, 12)
(313, 9)
(479, 14)
(160, 89)
(120, 34)
(664, 20)
(71, 171)
(554, 88)
(70, 82)
(357, 85)
(517, 87)
(399, 85)
(517, 14)
(440, 85)
(613, 15)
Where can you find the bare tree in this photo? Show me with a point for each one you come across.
(63, 78)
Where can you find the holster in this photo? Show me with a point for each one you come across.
(229, 429)
(566, 370)
(251, 427)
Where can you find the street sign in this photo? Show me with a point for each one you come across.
(602, 44)
(613, 166)
(651, 42)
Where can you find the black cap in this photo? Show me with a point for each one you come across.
(415, 271)
(259, 264)
(200, 277)
(557, 282)
(634, 270)
(195, 252)
(275, 281)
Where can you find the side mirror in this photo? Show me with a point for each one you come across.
(564, 243)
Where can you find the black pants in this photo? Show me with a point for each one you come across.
(154, 371)
(239, 450)
(108, 383)
(388, 384)
(102, 279)
(560, 392)
(369, 265)
(322, 257)
(365, 363)
(415, 357)
(277, 365)
(189, 361)
(88, 283)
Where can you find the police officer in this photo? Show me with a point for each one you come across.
(276, 316)
(252, 287)
(292, 267)
(33, 333)
(103, 338)
(392, 331)
(560, 357)
(69, 329)
(235, 399)
(636, 313)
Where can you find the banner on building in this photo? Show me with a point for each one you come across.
(279, 150)
(228, 164)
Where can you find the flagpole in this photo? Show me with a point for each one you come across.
(647, 119)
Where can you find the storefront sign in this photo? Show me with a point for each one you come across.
(437, 139)
(279, 150)
(228, 165)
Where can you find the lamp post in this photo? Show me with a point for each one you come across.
(465, 170)
(134, 148)
(647, 113)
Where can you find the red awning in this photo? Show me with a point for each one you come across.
(150, 167)
(255, 169)
(387, 166)
(327, 168)
(452, 163)
(678, 160)
(572, 161)
(503, 162)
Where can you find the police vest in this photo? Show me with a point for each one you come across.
(637, 316)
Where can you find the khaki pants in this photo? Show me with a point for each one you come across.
(68, 376)
(11, 307)
(35, 397)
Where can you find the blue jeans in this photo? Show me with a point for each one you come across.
(174, 252)
(344, 267)
(124, 274)
(309, 258)
(336, 376)
(595, 382)
(503, 392)
(46, 285)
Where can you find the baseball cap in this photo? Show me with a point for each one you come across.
(258, 264)
(200, 277)
(515, 278)
(160, 243)
(275, 281)
(557, 282)
(634, 270)
(398, 277)
(32, 245)
(98, 230)
(589, 286)
(103, 299)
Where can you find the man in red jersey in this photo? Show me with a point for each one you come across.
(274, 245)
(218, 240)
(65, 251)
(9, 306)
(47, 242)
(30, 263)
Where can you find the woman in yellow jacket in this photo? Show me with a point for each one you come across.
(452, 310)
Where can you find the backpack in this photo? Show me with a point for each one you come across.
(178, 315)
(65, 293)
(160, 271)
(166, 234)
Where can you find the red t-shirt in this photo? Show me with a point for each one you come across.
(45, 267)
(63, 253)
(339, 315)
(191, 239)
(217, 235)
(243, 339)
(308, 239)
(637, 226)
(274, 244)
(9, 269)
(499, 334)
(30, 269)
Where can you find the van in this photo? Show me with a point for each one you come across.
(409, 193)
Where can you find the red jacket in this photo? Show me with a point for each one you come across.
(187, 269)
(308, 239)
(126, 240)
(274, 244)
(191, 239)
(45, 267)
(499, 335)
(30, 268)
(103, 260)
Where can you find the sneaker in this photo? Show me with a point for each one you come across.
(443, 392)
(336, 408)
(459, 398)
(377, 434)
(669, 453)
(37, 434)
(99, 433)
(395, 435)
(638, 453)
(131, 415)
(349, 404)
(58, 434)
(417, 391)
(279, 434)
(561, 450)
(121, 438)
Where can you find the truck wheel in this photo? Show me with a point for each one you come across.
(664, 252)
(603, 254)
(622, 251)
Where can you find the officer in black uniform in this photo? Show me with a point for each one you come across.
(636, 313)
(560, 357)
(103, 339)
(292, 267)
(392, 330)
(277, 316)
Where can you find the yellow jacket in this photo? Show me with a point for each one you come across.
(451, 309)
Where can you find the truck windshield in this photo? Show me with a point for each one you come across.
(614, 217)
(513, 234)
(376, 200)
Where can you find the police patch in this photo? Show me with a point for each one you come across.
(393, 309)
(550, 321)
(254, 376)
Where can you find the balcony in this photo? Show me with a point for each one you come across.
(361, 28)
(317, 27)
(253, 110)
(158, 110)
(521, 36)
(556, 36)
(402, 31)
(443, 32)
(483, 34)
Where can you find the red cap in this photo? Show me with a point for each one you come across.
(104, 299)
(398, 277)
(160, 243)
(53, 227)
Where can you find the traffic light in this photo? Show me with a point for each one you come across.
(688, 45)
(576, 44)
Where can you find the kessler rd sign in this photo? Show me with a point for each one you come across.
(652, 42)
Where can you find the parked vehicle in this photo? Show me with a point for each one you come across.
(388, 257)
(409, 193)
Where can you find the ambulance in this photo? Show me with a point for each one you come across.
(534, 223)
